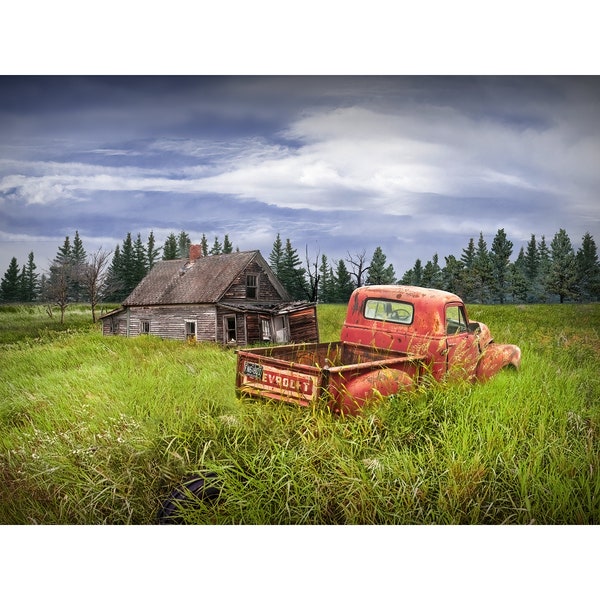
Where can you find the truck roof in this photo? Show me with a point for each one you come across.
(407, 293)
(430, 307)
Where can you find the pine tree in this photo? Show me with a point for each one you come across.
(543, 270)
(406, 279)
(588, 270)
(78, 253)
(129, 271)
(59, 285)
(483, 271)
(499, 257)
(30, 281)
(183, 245)
(227, 245)
(532, 259)
(531, 270)
(343, 283)
(562, 279)
(170, 248)
(326, 282)
(78, 257)
(292, 274)
(378, 272)
(452, 275)
(414, 276)
(519, 284)
(276, 256)
(204, 245)
(217, 248)
(22, 284)
(113, 286)
(139, 261)
(64, 252)
(152, 252)
(10, 286)
(432, 274)
(468, 256)
(469, 275)
(64, 281)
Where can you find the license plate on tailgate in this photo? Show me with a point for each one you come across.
(253, 370)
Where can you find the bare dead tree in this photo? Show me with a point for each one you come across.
(359, 266)
(93, 277)
(57, 288)
(312, 268)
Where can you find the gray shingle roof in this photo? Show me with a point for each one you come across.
(203, 281)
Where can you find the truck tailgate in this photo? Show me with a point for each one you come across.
(301, 373)
(261, 375)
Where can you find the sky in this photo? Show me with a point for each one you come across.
(416, 165)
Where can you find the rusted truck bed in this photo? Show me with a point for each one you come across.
(327, 373)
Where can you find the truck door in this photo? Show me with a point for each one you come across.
(462, 349)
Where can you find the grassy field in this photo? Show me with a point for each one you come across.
(99, 430)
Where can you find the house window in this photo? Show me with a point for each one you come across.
(230, 329)
(252, 286)
(265, 328)
(144, 327)
(190, 330)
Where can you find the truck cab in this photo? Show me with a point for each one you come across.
(429, 322)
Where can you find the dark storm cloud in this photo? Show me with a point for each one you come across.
(416, 165)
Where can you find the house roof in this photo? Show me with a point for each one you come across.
(203, 281)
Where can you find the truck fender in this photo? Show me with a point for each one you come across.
(496, 357)
(365, 387)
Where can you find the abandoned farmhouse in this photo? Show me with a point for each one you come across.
(227, 298)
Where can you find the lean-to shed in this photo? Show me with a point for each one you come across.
(228, 298)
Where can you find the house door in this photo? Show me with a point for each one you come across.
(282, 334)
(229, 329)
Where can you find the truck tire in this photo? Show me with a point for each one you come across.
(364, 388)
(203, 486)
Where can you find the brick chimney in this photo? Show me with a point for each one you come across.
(195, 251)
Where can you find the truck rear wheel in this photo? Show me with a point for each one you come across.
(202, 486)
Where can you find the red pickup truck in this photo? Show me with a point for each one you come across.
(391, 337)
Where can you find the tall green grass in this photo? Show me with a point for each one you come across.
(100, 429)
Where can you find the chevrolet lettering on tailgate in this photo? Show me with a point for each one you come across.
(295, 384)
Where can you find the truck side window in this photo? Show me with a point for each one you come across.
(386, 310)
(456, 321)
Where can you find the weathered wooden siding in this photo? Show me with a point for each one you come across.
(114, 325)
(169, 321)
(304, 326)
(253, 328)
(266, 291)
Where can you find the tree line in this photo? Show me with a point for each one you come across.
(541, 272)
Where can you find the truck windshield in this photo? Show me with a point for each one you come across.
(389, 310)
